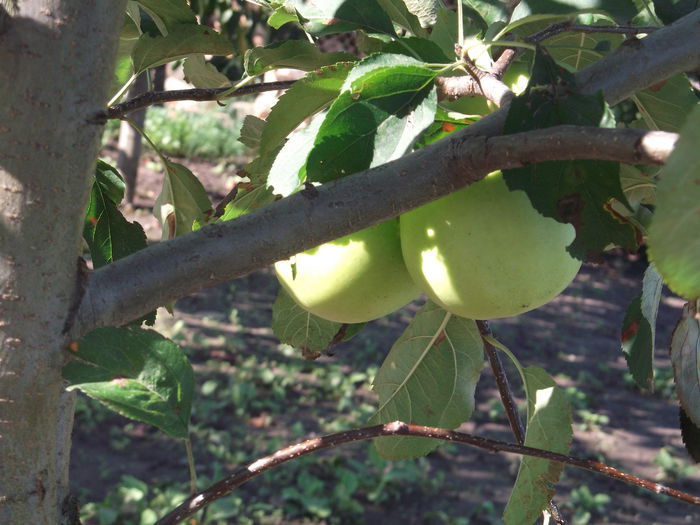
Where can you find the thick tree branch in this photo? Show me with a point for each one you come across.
(151, 98)
(133, 286)
(198, 501)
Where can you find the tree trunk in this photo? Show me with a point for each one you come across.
(56, 65)
(130, 141)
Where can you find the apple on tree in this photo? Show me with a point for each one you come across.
(484, 252)
(353, 279)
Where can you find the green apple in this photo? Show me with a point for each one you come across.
(484, 252)
(353, 279)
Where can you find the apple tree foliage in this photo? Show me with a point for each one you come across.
(367, 110)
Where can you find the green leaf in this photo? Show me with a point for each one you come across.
(388, 102)
(339, 16)
(674, 243)
(108, 234)
(639, 330)
(622, 10)
(202, 74)
(282, 15)
(251, 131)
(575, 192)
(288, 172)
(667, 105)
(685, 351)
(181, 41)
(690, 433)
(425, 10)
(428, 378)
(182, 200)
(420, 48)
(580, 50)
(548, 428)
(311, 334)
(303, 99)
(444, 32)
(491, 11)
(247, 201)
(137, 373)
(296, 54)
(671, 10)
(168, 13)
(398, 11)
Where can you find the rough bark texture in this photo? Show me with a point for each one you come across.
(56, 63)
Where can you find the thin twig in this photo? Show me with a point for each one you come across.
(561, 27)
(516, 425)
(150, 98)
(508, 401)
(193, 503)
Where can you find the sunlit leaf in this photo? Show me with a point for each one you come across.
(338, 16)
(202, 74)
(387, 102)
(425, 10)
(303, 99)
(428, 378)
(620, 9)
(137, 373)
(674, 243)
(398, 11)
(251, 131)
(639, 329)
(182, 40)
(311, 334)
(548, 428)
(182, 201)
(295, 54)
(491, 11)
(247, 201)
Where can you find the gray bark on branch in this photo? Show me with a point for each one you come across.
(131, 287)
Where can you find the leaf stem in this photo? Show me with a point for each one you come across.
(194, 503)
(191, 466)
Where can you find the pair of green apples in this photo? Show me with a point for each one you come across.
(482, 252)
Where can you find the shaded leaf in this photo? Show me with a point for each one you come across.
(548, 428)
(690, 433)
(251, 131)
(387, 102)
(639, 330)
(282, 15)
(420, 48)
(444, 32)
(671, 10)
(428, 378)
(580, 50)
(685, 351)
(575, 192)
(137, 373)
(167, 14)
(338, 16)
(182, 40)
(108, 234)
(295, 54)
(674, 243)
(311, 334)
(182, 201)
(619, 9)
(666, 105)
(202, 74)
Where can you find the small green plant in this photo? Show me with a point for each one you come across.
(586, 505)
(672, 468)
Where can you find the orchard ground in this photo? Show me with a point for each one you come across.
(254, 396)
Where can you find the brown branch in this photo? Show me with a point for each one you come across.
(562, 27)
(196, 502)
(516, 425)
(150, 98)
(508, 401)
